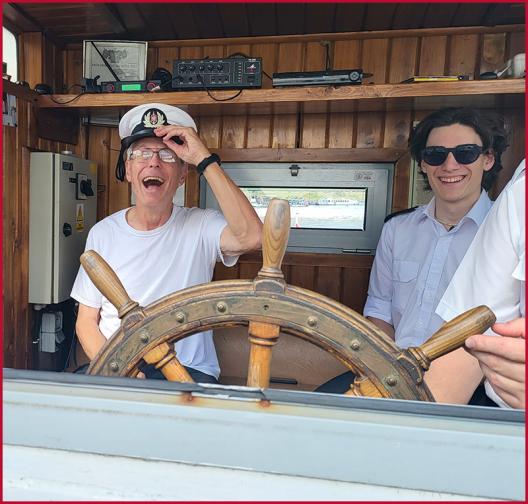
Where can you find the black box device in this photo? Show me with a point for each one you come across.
(226, 73)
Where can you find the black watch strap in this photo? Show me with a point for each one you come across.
(202, 165)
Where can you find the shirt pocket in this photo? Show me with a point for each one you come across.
(404, 274)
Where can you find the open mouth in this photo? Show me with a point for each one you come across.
(152, 181)
(452, 180)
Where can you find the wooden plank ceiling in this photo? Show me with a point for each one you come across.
(70, 23)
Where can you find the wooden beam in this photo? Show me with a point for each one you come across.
(275, 98)
(422, 32)
(19, 91)
(17, 18)
(58, 125)
(116, 16)
(401, 183)
(26, 23)
(312, 259)
(388, 155)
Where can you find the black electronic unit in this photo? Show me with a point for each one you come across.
(319, 78)
(129, 86)
(89, 85)
(211, 73)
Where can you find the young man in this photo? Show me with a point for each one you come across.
(156, 248)
(459, 151)
(492, 273)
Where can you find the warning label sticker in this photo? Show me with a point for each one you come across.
(79, 217)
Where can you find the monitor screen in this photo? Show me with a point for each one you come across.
(335, 207)
(315, 207)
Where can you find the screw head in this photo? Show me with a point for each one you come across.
(355, 345)
(221, 307)
(312, 321)
(391, 380)
(114, 366)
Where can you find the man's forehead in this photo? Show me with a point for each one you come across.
(462, 132)
(148, 142)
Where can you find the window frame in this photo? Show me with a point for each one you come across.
(376, 177)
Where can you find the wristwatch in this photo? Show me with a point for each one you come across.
(202, 165)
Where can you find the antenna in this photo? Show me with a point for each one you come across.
(106, 62)
(326, 44)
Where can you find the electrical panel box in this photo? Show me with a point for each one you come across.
(51, 334)
(62, 209)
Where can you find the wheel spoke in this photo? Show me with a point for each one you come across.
(164, 359)
(275, 235)
(106, 280)
(363, 387)
(262, 337)
(453, 334)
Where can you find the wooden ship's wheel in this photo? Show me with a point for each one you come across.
(269, 306)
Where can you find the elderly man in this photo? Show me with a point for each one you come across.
(156, 248)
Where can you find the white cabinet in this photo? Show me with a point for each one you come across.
(63, 208)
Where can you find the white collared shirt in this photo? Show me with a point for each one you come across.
(415, 260)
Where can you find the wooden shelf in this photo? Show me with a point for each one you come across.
(368, 97)
(19, 91)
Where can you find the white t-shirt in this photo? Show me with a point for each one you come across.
(152, 264)
(492, 272)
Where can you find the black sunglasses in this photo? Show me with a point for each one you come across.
(464, 154)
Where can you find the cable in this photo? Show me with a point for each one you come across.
(223, 99)
(212, 97)
(163, 85)
(72, 86)
(326, 44)
(35, 331)
(73, 344)
(70, 354)
(67, 101)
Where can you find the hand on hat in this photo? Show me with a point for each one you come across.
(192, 151)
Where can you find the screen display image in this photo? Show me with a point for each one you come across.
(315, 208)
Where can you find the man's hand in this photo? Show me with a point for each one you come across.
(502, 360)
(192, 151)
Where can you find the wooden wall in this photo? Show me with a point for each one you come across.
(39, 61)
(341, 277)
(389, 56)
(17, 143)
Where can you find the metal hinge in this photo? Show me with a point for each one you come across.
(358, 251)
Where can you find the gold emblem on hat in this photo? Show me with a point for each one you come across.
(154, 118)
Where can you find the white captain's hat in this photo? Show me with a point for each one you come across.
(141, 121)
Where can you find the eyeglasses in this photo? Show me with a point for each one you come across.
(165, 155)
(464, 154)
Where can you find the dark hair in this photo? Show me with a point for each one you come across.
(490, 127)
